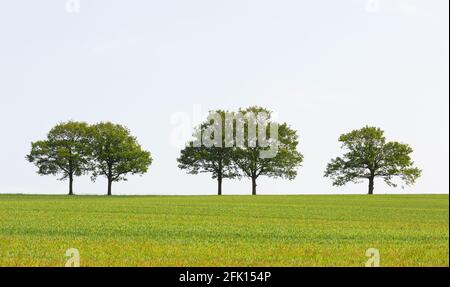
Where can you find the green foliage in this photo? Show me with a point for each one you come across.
(368, 155)
(64, 151)
(115, 153)
(248, 158)
(241, 151)
(216, 160)
(75, 148)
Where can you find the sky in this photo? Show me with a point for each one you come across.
(325, 67)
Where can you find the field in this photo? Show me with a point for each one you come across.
(328, 230)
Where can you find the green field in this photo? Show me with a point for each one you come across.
(328, 230)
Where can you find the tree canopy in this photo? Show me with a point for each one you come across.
(64, 152)
(115, 153)
(242, 144)
(216, 160)
(368, 156)
(270, 148)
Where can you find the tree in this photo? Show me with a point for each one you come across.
(369, 156)
(115, 153)
(259, 156)
(63, 152)
(208, 159)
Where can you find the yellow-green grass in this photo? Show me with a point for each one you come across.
(303, 230)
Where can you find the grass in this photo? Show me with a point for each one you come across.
(316, 230)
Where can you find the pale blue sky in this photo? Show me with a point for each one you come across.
(325, 67)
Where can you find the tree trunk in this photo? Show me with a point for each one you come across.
(109, 186)
(219, 185)
(253, 185)
(371, 183)
(70, 184)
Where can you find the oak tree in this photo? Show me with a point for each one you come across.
(215, 158)
(64, 152)
(269, 148)
(116, 153)
(368, 155)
